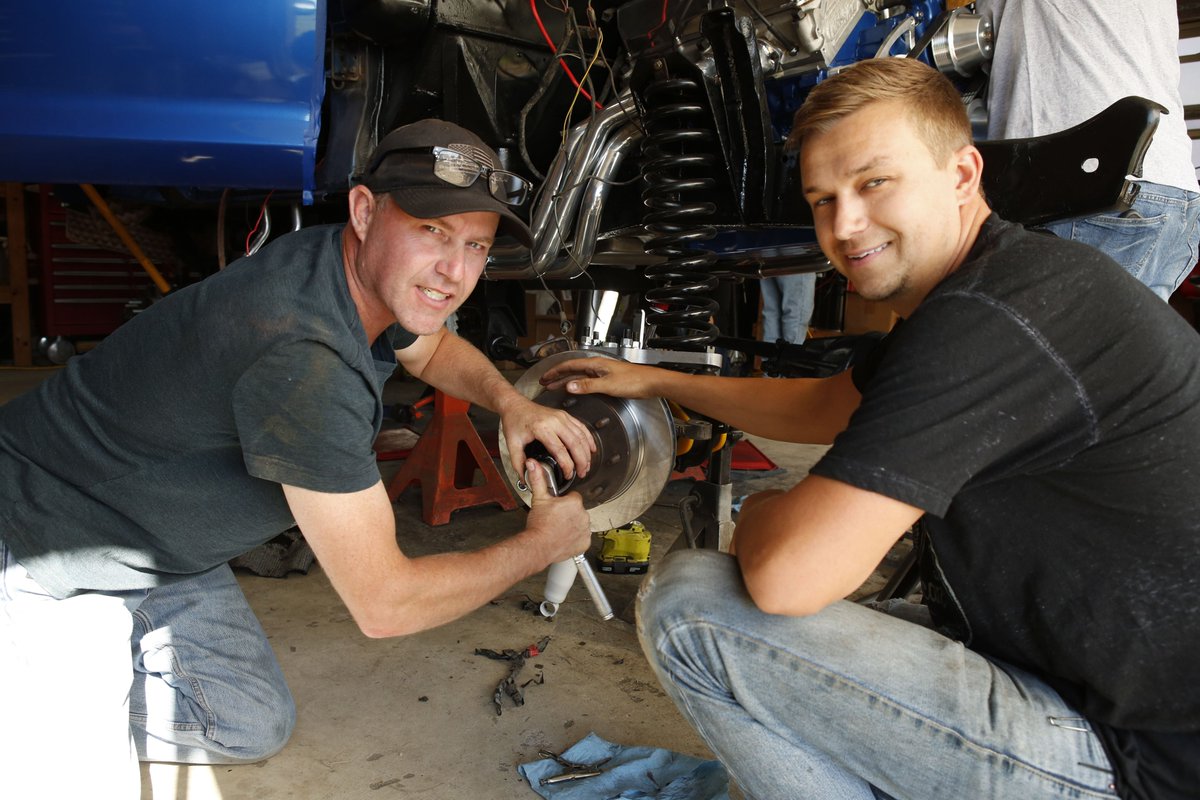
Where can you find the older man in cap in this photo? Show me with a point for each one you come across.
(218, 418)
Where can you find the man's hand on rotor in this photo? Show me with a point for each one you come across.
(565, 438)
(609, 376)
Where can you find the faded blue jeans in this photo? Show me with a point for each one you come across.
(1156, 241)
(180, 673)
(854, 703)
(787, 306)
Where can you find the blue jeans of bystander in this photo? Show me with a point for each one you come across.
(852, 703)
(1156, 241)
(787, 306)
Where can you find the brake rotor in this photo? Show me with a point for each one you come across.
(635, 447)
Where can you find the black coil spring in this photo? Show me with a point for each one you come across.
(678, 162)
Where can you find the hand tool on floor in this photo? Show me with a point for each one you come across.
(575, 772)
(516, 662)
(562, 574)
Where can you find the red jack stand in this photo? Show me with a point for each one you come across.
(444, 463)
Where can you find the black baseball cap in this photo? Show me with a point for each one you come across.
(398, 168)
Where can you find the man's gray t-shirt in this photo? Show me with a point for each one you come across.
(159, 454)
(1057, 64)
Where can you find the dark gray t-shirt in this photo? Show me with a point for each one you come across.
(159, 454)
(1044, 408)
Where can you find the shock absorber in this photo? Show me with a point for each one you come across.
(678, 165)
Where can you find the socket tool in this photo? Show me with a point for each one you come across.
(562, 574)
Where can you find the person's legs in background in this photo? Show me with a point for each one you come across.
(797, 294)
(207, 688)
(787, 306)
(852, 702)
(1156, 240)
(771, 315)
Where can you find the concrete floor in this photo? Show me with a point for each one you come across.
(414, 716)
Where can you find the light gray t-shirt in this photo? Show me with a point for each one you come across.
(1060, 62)
(160, 453)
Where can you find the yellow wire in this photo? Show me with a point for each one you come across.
(582, 81)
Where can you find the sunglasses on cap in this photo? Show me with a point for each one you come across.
(462, 170)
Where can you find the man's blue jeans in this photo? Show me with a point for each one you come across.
(180, 673)
(855, 703)
(1156, 241)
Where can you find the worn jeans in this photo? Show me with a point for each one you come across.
(1156, 241)
(787, 306)
(855, 703)
(93, 682)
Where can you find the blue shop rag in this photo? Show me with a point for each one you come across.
(631, 773)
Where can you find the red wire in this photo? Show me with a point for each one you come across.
(650, 33)
(546, 35)
(258, 221)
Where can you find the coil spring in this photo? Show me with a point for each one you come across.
(678, 161)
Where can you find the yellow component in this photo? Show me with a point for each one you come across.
(682, 445)
(625, 550)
